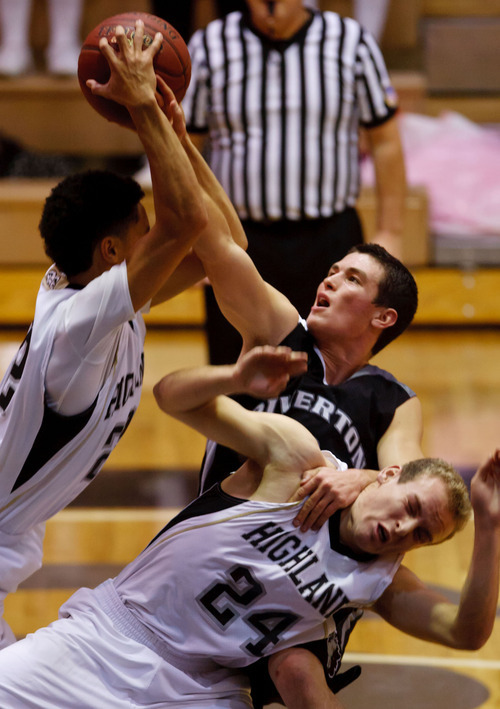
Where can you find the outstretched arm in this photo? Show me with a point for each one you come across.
(180, 211)
(261, 314)
(196, 396)
(415, 609)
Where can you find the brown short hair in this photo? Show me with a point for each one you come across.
(397, 289)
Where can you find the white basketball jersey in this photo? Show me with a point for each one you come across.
(46, 458)
(234, 580)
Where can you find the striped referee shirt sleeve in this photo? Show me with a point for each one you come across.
(195, 102)
(377, 99)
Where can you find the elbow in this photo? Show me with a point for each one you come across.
(159, 395)
(476, 642)
(473, 640)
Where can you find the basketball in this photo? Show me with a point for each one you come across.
(172, 62)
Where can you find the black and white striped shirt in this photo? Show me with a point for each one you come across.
(283, 117)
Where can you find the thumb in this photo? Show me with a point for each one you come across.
(94, 86)
(297, 496)
(308, 475)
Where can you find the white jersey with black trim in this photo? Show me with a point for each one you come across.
(234, 580)
(47, 458)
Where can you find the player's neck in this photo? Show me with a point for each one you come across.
(97, 269)
(342, 363)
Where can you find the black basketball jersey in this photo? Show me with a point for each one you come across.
(348, 419)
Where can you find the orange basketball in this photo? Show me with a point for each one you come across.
(172, 62)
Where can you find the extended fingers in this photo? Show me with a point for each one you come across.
(165, 90)
(312, 511)
(106, 49)
(324, 516)
(139, 39)
(126, 43)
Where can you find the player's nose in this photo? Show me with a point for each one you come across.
(405, 526)
(330, 282)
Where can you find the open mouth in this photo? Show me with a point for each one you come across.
(382, 534)
(322, 302)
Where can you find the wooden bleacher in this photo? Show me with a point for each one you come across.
(51, 115)
(447, 297)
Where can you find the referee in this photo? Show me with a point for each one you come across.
(281, 90)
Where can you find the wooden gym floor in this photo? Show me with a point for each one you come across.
(153, 471)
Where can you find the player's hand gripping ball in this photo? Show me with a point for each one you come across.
(172, 62)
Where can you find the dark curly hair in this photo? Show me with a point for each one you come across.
(397, 289)
(81, 210)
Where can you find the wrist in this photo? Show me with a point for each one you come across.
(486, 530)
(147, 106)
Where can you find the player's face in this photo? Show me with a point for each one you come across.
(344, 304)
(278, 19)
(392, 517)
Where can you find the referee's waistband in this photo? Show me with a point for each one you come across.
(128, 624)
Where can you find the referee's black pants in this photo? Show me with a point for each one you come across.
(293, 256)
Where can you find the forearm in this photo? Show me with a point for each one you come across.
(390, 182)
(214, 189)
(188, 389)
(262, 372)
(478, 602)
(391, 189)
(414, 608)
(189, 272)
(176, 191)
(260, 313)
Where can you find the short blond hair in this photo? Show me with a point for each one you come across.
(458, 495)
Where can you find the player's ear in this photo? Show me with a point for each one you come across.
(384, 317)
(392, 472)
(109, 250)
